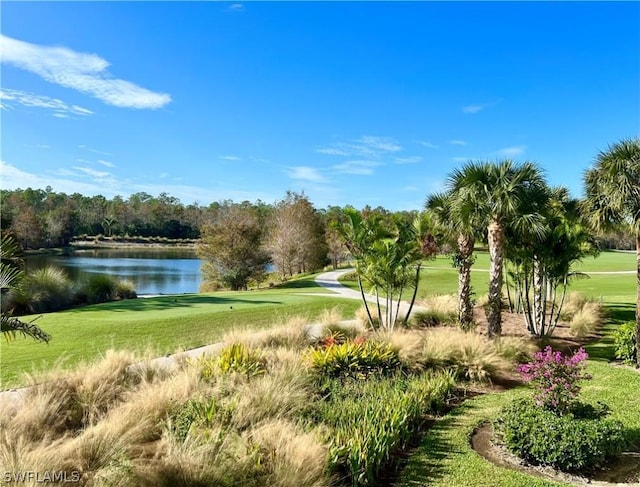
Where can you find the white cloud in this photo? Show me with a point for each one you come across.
(360, 168)
(106, 163)
(332, 151)
(512, 151)
(306, 173)
(95, 151)
(230, 158)
(93, 172)
(471, 109)
(427, 144)
(83, 72)
(367, 146)
(407, 160)
(457, 142)
(236, 7)
(31, 100)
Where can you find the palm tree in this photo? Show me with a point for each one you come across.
(459, 223)
(389, 259)
(612, 198)
(10, 277)
(503, 193)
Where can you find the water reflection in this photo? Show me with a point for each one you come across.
(153, 271)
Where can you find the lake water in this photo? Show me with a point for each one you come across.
(153, 271)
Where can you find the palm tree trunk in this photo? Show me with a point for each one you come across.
(413, 297)
(496, 247)
(364, 300)
(638, 299)
(538, 297)
(465, 309)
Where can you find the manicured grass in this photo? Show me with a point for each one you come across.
(606, 261)
(445, 457)
(439, 277)
(162, 324)
(609, 261)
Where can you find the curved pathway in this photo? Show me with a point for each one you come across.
(329, 280)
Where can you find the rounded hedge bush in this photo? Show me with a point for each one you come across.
(578, 441)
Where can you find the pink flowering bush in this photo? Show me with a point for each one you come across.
(554, 428)
(556, 378)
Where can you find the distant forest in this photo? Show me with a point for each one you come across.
(44, 218)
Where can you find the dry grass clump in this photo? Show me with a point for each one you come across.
(295, 458)
(292, 334)
(90, 420)
(583, 314)
(408, 344)
(69, 400)
(437, 310)
(330, 317)
(574, 302)
(362, 318)
(585, 321)
(514, 349)
(472, 356)
(281, 394)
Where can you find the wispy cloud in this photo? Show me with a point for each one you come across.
(407, 160)
(106, 163)
(83, 72)
(236, 7)
(471, 109)
(95, 151)
(512, 151)
(360, 168)
(306, 173)
(230, 158)
(367, 146)
(457, 142)
(60, 109)
(92, 172)
(427, 144)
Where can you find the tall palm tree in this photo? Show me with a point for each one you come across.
(503, 193)
(459, 223)
(612, 198)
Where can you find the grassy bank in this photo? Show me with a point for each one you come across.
(162, 324)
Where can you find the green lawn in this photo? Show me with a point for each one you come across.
(606, 261)
(439, 277)
(162, 324)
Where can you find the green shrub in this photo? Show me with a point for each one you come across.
(576, 441)
(354, 359)
(100, 288)
(625, 342)
(43, 290)
(234, 358)
(431, 317)
(197, 413)
(369, 420)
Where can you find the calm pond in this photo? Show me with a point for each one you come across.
(153, 271)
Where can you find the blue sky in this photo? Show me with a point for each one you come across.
(354, 103)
